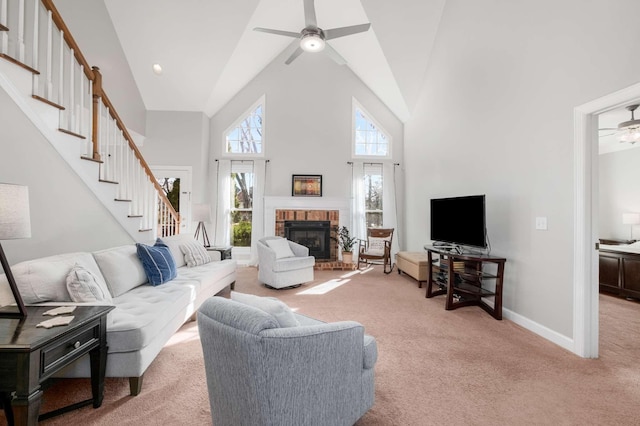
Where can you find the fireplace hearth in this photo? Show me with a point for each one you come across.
(314, 234)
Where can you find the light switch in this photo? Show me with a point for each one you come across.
(541, 223)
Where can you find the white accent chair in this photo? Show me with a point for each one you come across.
(279, 268)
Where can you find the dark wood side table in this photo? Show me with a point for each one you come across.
(29, 355)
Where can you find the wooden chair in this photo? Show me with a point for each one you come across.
(376, 249)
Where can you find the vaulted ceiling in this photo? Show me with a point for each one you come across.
(209, 51)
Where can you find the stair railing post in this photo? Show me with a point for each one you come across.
(97, 97)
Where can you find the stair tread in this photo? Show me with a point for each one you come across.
(108, 181)
(121, 199)
(18, 63)
(48, 102)
(145, 230)
(91, 159)
(69, 132)
(135, 215)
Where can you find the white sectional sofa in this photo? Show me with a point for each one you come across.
(145, 316)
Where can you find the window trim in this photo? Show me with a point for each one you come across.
(357, 105)
(236, 123)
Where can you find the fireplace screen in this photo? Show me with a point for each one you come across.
(315, 235)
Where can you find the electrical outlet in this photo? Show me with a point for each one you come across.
(541, 223)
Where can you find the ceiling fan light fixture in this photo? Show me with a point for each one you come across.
(312, 43)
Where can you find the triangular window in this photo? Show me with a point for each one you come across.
(369, 140)
(246, 136)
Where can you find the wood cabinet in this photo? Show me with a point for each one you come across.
(620, 273)
(466, 279)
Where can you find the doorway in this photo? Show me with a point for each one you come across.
(586, 181)
(176, 182)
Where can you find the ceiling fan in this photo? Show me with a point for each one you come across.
(627, 131)
(313, 38)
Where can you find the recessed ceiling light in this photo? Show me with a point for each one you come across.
(157, 69)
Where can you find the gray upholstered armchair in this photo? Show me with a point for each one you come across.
(259, 373)
(283, 263)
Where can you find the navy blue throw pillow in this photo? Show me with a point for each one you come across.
(157, 261)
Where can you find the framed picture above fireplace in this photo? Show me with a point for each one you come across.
(306, 185)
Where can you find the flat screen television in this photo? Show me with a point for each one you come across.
(459, 220)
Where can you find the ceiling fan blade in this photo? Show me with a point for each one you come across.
(345, 31)
(333, 54)
(278, 32)
(608, 128)
(294, 55)
(310, 14)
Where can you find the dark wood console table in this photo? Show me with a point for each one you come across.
(464, 279)
(29, 355)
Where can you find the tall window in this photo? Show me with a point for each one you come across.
(373, 195)
(241, 202)
(245, 137)
(369, 140)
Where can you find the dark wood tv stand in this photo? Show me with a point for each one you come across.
(464, 280)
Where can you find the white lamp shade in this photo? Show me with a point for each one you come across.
(631, 218)
(201, 213)
(14, 212)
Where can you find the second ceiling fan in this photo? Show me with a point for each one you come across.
(313, 38)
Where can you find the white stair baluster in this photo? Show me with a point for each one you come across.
(21, 25)
(36, 34)
(49, 68)
(4, 20)
(80, 125)
(72, 99)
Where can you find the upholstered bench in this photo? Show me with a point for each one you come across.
(413, 264)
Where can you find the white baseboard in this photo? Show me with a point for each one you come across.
(539, 329)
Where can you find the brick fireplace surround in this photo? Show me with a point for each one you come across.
(332, 216)
(335, 210)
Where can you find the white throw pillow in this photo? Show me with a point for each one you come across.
(281, 247)
(276, 308)
(84, 286)
(194, 253)
(376, 246)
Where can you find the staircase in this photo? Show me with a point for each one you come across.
(46, 75)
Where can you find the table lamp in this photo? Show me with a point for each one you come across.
(14, 224)
(631, 219)
(202, 214)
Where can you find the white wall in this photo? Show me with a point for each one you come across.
(65, 215)
(496, 117)
(308, 122)
(619, 192)
(179, 139)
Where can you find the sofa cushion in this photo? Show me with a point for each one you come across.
(85, 286)
(157, 262)
(281, 247)
(194, 253)
(45, 279)
(121, 268)
(174, 242)
(143, 312)
(278, 309)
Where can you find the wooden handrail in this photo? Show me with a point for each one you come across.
(94, 75)
(57, 19)
(136, 151)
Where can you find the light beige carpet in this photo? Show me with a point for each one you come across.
(435, 366)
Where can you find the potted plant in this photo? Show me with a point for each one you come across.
(346, 243)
